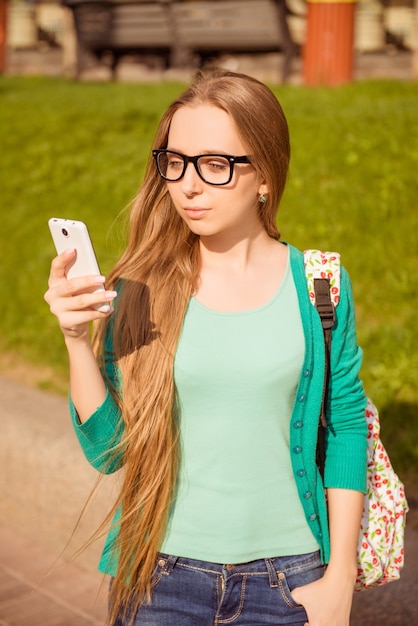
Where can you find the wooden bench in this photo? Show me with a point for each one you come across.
(183, 32)
(229, 26)
(119, 28)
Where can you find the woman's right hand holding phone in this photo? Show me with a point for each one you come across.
(74, 301)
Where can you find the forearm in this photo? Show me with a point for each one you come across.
(345, 510)
(87, 387)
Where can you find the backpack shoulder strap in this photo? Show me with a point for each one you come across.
(326, 265)
(322, 270)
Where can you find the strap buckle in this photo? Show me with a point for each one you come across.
(323, 303)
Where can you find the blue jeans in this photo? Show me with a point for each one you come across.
(187, 592)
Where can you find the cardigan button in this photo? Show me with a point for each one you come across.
(301, 473)
(301, 397)
(319, 535)
(298, 424)
(297, 449)
(306, 373)
(312, 517)
(307, 495)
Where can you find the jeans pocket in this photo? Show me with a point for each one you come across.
(286, 592)
(304, 570)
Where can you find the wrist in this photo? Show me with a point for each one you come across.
(345, 573)
(78, 342)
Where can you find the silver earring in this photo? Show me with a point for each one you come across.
(262, 198)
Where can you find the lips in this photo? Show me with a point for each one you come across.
(196, 213)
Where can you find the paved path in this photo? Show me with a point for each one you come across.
(44, 484)
(37, 589)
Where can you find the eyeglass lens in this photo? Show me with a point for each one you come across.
(213, 169)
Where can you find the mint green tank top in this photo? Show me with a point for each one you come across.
(236, 376)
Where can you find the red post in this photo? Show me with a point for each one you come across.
(329, 47)
(3, 21)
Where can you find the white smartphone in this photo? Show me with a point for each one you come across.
(74, 234)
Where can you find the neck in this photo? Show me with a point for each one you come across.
(236, 251)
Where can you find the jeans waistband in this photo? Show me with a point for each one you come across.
(279, 563)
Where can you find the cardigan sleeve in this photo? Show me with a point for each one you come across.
(346, 436)
(100, 435)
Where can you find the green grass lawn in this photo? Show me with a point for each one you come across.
(78, 150)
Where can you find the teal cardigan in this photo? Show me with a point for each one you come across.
(346, 434)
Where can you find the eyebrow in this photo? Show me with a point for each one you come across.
(221, 152)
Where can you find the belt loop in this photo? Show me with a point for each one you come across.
(170, 562)
(272, 573)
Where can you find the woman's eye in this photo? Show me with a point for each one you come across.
(216, 165)
(175, 164)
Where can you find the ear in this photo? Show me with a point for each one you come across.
(263, 190)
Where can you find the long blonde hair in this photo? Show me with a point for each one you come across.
(157, 274)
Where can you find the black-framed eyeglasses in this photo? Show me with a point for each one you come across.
(214, 169)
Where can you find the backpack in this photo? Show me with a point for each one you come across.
(380, 554)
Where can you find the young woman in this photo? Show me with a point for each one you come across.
(208, 385)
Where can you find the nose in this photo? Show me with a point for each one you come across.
(191, 183)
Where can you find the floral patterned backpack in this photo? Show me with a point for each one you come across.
(380, 555)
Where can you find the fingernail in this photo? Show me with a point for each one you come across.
(111, 294)
(69, 251)
(99, 279)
